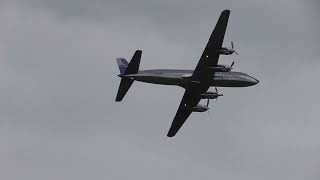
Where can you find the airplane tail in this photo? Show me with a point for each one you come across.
(126, 69)
(122, 64)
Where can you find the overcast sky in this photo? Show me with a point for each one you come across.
(58, 118)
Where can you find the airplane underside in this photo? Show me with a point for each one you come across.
(196, 83)
(230, 79)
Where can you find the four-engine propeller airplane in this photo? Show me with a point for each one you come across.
(196, 83)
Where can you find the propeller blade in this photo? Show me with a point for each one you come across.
(209, 115)
(232, 64)
(216, 90)
(232, 46)
(208, 102)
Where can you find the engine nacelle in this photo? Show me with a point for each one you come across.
(221, 68)
(210, 95)
(226, 51)
(200, 108)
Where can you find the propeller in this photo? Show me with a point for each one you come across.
(210, 116)
(232, 47)
(208, 99)
(217, 93)
(232, 64)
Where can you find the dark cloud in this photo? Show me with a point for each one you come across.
(58, 118)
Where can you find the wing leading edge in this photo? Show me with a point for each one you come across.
(202, 74)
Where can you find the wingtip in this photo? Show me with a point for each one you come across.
(170, 134)
(118, 100)
(224, 16)
(226, 11)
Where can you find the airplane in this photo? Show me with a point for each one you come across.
(208, 73)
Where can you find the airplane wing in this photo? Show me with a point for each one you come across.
(210, 55)
(189, 100)
(202, 74)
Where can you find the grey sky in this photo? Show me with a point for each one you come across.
(58, 118)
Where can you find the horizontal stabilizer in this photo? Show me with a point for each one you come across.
(124, 86)
(133, 66)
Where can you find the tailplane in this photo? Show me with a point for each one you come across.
(126, 69)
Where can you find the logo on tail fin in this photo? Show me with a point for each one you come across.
(123, 64)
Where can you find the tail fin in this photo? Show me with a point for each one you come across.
(125, 69)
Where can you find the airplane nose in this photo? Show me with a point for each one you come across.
(251, 80)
